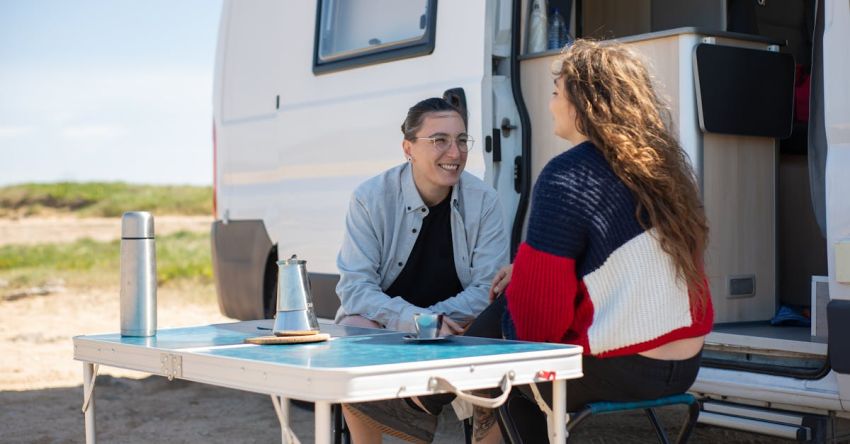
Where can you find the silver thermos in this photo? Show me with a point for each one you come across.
(138, 274)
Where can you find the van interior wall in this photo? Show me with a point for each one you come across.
(802, 247)
(800, 243)
(606, 19)
(791, 20)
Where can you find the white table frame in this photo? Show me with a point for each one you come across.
(327, 386)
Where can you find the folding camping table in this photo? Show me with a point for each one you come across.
(357, 364)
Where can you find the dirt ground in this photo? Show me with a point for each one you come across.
(41, 393)
(28, 231)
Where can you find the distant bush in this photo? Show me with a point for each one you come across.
(181, 255)
(103, 199)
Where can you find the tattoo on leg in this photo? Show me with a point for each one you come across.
(482, 422)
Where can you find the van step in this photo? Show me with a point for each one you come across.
(757, 347)
(761, 337)
(777, 423)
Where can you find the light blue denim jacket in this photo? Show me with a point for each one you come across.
(384, 218)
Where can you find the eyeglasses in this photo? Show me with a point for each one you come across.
(443, 143)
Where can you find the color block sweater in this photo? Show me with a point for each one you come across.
(589, 274)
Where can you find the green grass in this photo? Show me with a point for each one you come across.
(103, 199)
(182, 256)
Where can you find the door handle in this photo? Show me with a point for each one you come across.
(496, 145)
(507, 127)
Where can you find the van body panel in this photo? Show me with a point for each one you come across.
(299, 182)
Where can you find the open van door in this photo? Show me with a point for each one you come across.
(309, 100)
(832, 141)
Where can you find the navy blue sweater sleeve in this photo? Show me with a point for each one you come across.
(557, 224)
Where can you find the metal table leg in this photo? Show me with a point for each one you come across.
(323, 422)
(281, 407)
(89, 375)
(559, 411)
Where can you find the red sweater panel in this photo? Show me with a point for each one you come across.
(548, 303)
(541, 295)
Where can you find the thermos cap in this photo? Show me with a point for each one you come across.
(137, 225)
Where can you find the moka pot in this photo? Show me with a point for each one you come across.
(295, 314)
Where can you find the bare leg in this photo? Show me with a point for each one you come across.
(361, 431)
(484, 427)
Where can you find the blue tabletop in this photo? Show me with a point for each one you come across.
(349, 346)
(219, 334)
(381, 349)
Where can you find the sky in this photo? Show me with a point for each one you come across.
(107, 90)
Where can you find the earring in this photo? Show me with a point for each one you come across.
(409, 159)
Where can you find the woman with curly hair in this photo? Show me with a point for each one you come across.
(613, 258)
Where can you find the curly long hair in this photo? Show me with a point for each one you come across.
(619, 111)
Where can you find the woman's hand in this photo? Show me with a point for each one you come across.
(450, 327)
(500, 281)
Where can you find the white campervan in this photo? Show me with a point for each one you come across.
(309, 96)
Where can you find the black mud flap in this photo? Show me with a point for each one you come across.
(838, 322)
(240, 250)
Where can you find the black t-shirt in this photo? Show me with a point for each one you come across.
(429, 275)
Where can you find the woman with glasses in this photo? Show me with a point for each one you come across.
(422, 237)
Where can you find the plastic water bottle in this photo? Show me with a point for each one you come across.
(538, 27)
(557, 32)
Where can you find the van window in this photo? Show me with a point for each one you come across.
(351, 33)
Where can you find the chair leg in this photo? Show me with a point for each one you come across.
(510, 434)
(690, 423)
(340, 429)
(576, 419)
(659, 429)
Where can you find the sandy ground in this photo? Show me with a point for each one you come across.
(41, 393)
(30, 231)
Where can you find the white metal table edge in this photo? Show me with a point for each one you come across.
(564, 363)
